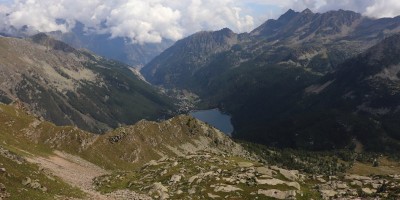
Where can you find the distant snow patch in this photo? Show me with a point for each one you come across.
(316, 89)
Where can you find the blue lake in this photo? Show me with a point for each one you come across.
(215, 118)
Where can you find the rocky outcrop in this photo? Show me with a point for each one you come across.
(34, 184)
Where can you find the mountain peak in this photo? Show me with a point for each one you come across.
(289, 12)
(39, 38)
(226, 30)
(288, 15)
(307, 11)
(49, 42)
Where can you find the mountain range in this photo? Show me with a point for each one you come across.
(120, 49)
(314, 99)
(265, 78)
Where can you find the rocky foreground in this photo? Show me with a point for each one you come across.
(180, 158)
(206, 175)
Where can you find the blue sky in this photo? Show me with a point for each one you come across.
(5, 1)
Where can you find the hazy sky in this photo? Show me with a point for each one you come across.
(152, 20)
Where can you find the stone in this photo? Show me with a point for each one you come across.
(3, 192)
(277, 194)
(226, 188)
(320, 179)
(333, 178)
(151, 163)
(179, 192)
(249, 175)
(159, 190)
(352, 192)
(192, 191)
(375, 185)
(26, 181)
(210, 173)
(199, 180)
(264, 171)
(191, 179)
(230, 180)
(357, 177)
(326, 194)
(175, 178)
(325, 187)
(356, 183)
(275, 181)
(292, 175)
(341, 186)
(212, 196)
(35, 185)
(245, 164)
(368, 191)
(159, 187)
(293, 184)
(163, 172)
(175, 164)
(164, 196)
(43, 189)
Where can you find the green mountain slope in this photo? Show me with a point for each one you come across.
(71, 87)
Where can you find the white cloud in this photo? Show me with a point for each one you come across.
(214, 15)
(152, 20)
(384, 8)
(142, 21)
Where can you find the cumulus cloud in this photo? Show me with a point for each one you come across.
(142, 21)
(153, 20)
(384, 8)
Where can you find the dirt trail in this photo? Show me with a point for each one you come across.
(79, 173)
